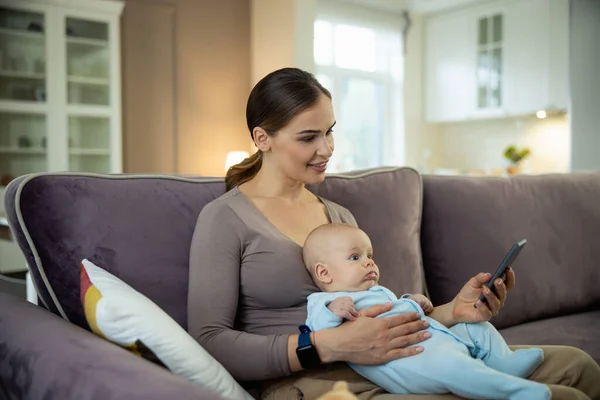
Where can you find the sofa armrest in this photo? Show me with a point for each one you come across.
(45, 357)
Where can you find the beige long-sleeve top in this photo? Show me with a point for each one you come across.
(248, 286)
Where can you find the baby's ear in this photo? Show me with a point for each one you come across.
(322, 273)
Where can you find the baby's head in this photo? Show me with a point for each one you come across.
(339, 257)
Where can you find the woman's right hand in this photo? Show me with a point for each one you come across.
(373, 341)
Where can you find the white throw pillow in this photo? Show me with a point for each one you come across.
(119, 313)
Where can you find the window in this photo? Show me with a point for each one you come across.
(489, 61)
(359, 59)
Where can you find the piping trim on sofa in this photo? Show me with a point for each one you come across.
(33, 249)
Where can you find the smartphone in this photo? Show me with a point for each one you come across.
(501, 271)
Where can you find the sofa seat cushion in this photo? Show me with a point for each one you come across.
(579, 330)
(44, 357)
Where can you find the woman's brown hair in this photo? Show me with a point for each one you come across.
(273, 103)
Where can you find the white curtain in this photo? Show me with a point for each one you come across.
(358, 57)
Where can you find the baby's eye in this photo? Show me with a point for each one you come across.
(354, 257)
(370, 256)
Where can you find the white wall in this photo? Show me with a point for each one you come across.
(281, 35)
(420, 138)
(480, 145)
(185, 84)
(585, 84)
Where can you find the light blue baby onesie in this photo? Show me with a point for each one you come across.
(469, 360)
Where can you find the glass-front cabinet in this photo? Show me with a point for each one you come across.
(59, 87)
(489, 61)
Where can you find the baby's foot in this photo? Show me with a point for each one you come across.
(519, 363)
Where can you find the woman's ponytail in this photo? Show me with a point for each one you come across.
(244, 171)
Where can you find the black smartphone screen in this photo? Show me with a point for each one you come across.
(509, 259)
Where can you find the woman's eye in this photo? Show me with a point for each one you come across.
(307, 139)
(329, 132)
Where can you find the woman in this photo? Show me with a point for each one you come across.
(248, 285)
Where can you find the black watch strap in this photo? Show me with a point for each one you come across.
(306, 352)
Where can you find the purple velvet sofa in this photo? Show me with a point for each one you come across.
(430, 233)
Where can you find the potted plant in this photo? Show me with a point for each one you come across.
(515, 156)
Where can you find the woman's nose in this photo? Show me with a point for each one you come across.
(325, 149)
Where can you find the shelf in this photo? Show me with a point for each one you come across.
(84, 80)
(23, 107)
(87, 42)
(21, 33)
(63, 115)
(88, 152)
(22, 75)
(88, 111)
(23, 150)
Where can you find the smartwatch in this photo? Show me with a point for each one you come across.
(306, 352)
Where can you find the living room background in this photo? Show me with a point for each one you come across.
(182, 71)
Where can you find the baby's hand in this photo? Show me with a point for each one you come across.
(343, 307)
(423, 301)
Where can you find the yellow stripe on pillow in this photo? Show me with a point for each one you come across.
(91, 298)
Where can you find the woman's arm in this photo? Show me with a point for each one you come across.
(367, 341)
(214, 282)
(372, 341)
(466, 307)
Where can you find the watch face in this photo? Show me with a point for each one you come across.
(308, 357)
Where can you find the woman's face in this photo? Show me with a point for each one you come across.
(302, 149)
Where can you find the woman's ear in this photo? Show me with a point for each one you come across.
(261, 139)
(322, 273)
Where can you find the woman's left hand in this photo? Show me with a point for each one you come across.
(463, 309)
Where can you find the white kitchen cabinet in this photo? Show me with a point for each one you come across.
(449, 67)
(60, 96)
(498, 59)
(537, 35)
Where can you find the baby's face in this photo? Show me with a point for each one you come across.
(350, 262)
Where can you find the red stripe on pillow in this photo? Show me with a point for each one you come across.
(84, 282)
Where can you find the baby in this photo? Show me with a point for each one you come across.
(469, 360)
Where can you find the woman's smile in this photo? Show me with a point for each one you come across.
(321, 167)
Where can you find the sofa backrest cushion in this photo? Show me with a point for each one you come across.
(139, 228)
(386, 204)
(470, 223)
(136, 227)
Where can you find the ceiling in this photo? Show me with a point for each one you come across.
(416, 6)
(429, 6)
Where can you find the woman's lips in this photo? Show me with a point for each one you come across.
(319, 167)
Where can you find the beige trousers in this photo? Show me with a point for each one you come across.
(570, 373)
